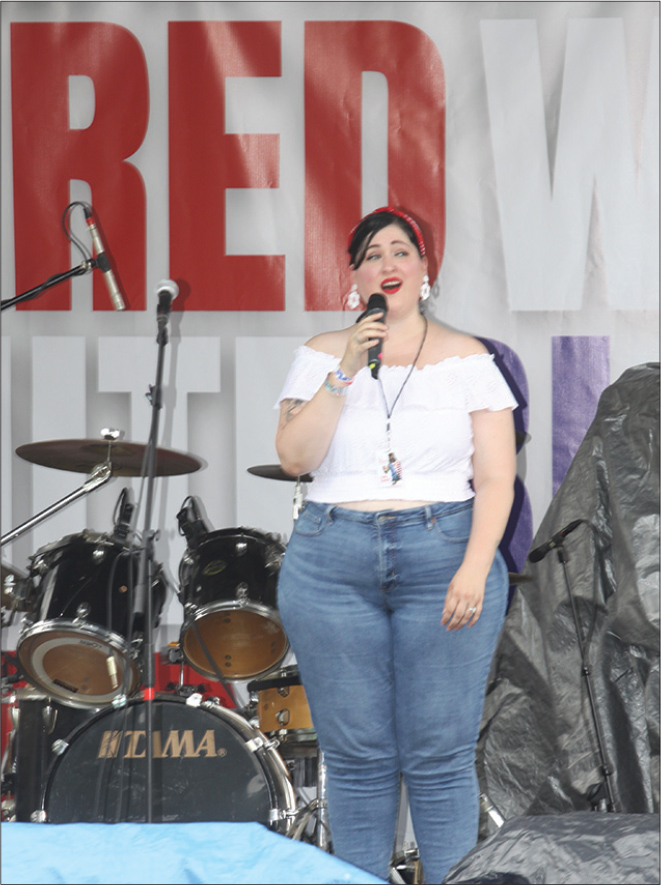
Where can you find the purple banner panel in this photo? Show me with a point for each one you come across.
(517, 538)
(581, 371)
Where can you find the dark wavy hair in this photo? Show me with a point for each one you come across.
(361, 236)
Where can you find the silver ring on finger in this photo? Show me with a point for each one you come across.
(472, 610)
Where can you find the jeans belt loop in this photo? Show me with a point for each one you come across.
(430, 516)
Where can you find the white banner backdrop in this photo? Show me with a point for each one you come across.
(543, 146)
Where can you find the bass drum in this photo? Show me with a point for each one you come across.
(208, 765)
(228, 588)
(74, 645)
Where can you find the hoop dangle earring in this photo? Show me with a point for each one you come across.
(352, 298)
(425, 289)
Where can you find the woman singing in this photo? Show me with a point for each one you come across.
(392, 589)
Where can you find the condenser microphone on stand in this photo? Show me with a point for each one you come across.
(103, 262)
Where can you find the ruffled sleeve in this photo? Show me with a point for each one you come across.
(484, 385)
(306, 374)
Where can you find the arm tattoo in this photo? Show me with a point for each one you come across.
(291, 406)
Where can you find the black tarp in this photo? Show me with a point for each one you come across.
(537, 752)
(576, 848)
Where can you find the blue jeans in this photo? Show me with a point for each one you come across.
(391, 691)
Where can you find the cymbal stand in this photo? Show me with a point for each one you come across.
(99, 476)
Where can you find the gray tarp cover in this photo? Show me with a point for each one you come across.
(537, 752)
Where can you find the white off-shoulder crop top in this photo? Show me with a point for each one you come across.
(431, 429)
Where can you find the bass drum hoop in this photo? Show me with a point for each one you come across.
(201, 665)
(71, 633)
(282, 797)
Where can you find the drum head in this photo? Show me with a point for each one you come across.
(77, 663)
(209, 765)
(243, 643)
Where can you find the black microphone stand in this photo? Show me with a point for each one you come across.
(606, 768)
(83, 268)
(143, 604)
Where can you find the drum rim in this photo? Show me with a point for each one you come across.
(116, 642)
(196, 613)
(275, 770)
(229, 532)
(91, 537)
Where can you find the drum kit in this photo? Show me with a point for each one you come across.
(77, 713)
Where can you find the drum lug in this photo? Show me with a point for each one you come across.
(119, 701)
(242, 594)
(49, 717)
(273, 559)
(241, 547)
(40, 565)
(59, 747)
(82, 611)
(38, 816)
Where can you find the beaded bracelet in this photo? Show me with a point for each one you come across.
(339, 375)
(334, 389)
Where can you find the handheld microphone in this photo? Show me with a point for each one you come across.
(103, 263)
(166, 290)
(375, 305)
(538, 553)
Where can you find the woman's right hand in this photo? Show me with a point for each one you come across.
(363, 335)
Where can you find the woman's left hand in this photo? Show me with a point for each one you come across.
(463, 601)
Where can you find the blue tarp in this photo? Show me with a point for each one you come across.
(165, 853)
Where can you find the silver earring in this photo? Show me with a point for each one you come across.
(352, 298)
(425, 289)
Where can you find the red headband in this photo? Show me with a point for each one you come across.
(402, 215)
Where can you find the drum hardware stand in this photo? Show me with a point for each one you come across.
(318, 806)
(99, 476)
(601, 795)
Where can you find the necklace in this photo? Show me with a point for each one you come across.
(390, 467)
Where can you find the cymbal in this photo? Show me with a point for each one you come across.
(125, 457)
(275, 472)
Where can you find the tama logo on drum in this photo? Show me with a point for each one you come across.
(177, 744)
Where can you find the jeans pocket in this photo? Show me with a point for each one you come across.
(310, 522)
(456, 526)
